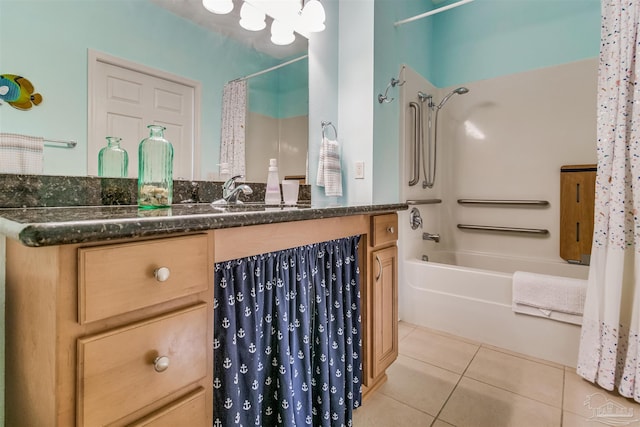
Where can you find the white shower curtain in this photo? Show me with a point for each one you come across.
(234, 111)
(609, 350)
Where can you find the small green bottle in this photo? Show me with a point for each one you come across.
(155, 170)
(113, 160)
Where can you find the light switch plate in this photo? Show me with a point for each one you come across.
(359, 170)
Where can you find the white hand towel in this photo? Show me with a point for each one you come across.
(329, 168)
(20, 153)
(321, 158)
(552, 293)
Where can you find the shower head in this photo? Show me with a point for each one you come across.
(459, 91)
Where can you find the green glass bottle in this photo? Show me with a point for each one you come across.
(113, 160)
(155, 170)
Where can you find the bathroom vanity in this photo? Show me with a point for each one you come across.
(109, 310)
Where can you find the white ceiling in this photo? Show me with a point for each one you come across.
(228, 26)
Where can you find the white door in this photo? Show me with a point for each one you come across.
(124, 98)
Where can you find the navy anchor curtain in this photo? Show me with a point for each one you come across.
(287, 341)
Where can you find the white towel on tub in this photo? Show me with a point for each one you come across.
(20, 153)
(544, 295)
(576, 319)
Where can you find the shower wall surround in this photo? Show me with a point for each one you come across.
(506, 139)
(478, 41)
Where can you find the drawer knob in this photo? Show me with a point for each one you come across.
(391, 230)
(161, 363)
(162, 274)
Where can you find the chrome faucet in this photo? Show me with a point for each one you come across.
(415, 219)
(429, 236)
(230, 192)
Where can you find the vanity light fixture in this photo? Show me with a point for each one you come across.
(288, 16)
(313, 16)
(251, 18)
(220, 7)
(281, 33)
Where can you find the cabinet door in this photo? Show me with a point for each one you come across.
(384, 304)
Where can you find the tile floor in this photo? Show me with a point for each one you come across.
(440, 380)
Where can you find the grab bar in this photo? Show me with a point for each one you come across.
(503, 202)
(538, 231)
(417, 113)
(424, 202)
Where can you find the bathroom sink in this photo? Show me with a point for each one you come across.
(253, 207)
(242, 207)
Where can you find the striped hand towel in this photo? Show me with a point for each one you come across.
(329, 168)
(20, 153)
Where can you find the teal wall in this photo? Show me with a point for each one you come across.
(479, 40)
(47, 41)
(491, 38)
(394, 46)
(323, 89)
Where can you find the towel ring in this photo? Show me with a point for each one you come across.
(327, 124)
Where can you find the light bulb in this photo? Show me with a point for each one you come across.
(251, 18)
(281, 34)
(220, 7)
(313, 16)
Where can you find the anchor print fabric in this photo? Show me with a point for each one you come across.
(287, 337)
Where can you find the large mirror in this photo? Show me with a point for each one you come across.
(175, 36)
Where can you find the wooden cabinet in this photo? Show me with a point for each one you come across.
(381, 300)
(96, 335)
(384, 316)
(122, 333)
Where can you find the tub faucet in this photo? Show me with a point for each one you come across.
(230, 192)
(429, 236)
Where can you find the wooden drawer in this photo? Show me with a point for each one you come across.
(116, 279)
(384, 229)
(116, 371)
(190, 411)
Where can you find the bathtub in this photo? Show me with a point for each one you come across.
(469, 295)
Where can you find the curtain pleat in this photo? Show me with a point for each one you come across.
(287, 337)
(609, 345)
(232, 133)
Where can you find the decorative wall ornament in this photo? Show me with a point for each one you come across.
(18, 92)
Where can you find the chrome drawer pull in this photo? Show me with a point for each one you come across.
(162, 274)
(161, 363)
(391, 230)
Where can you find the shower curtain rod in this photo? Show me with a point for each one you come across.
(275, 67)
(432, 12)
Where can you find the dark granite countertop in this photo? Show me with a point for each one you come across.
(46, 226)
